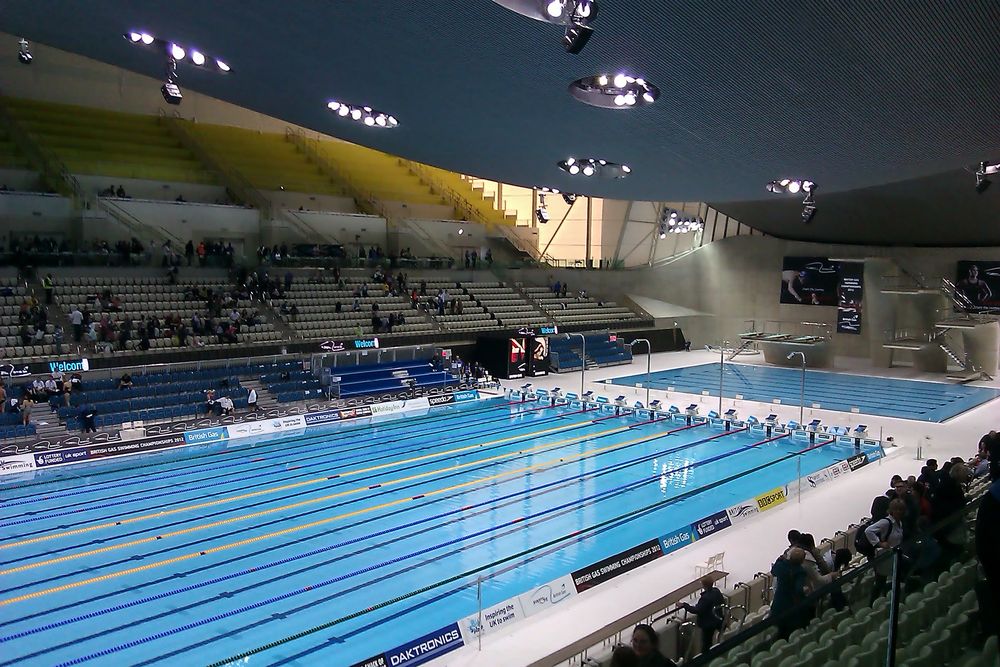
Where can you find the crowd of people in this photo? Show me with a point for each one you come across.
(22, 399)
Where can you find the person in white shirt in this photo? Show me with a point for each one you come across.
(226, 404)
(76, 318)
(252, 399)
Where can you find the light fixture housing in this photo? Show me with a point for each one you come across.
(620, 91)
(795, 186)
(363, 114)
(24, 52)
(594, 167)
(176, 50)
(983, 173)
(677, 222)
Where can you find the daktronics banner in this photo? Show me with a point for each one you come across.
(810, 281)
(977, 287)
(424, 649)
(609, 568)
(850, 293)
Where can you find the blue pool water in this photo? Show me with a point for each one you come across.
(377, 531)
(885, 397)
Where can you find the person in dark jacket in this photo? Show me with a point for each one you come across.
(949, 498)
(709, 612)
(988, 548)
(790, 583)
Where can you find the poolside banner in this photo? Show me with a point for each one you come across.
(850, 293)
(424, 649)
(547, 595)
(771, 499)
(740, 512)
(206, 435)
(374, 661)
(857, 461)
(13, 465)
(609, 568)
(712, 523)
(677, 539)
(107, 450)
(492, 618)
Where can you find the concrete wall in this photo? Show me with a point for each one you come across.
(25, 214)
(162, 190)
(736, 282)
(20, 179)
(293, 200)
(345, 228)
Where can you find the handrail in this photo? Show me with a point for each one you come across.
(625, 622)
(238, 186)
(134, 224)
(364, 198)
(53, 170)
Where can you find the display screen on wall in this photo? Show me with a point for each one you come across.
(977, 287)
(809, 281)
(850, 293)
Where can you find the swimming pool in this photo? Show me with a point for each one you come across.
(344, 541)
(886, 397)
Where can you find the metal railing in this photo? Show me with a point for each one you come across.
(136, 226)
(53, 170)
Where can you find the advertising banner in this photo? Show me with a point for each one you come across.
(493, 618)
(771, 499)
(740, 512)
(424, 649)
(609, 568)
(104, 450)
(547, 595)
(677, 540)
(205, 435)
(977, 287)
(374, 661)
(713, 523)
(857, 461)
(810, 281)
(12, 465)
(850, 293)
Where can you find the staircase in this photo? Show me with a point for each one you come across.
(265, 400)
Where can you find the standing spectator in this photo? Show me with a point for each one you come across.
(57, 337)
(441, 299)
(886, 533)
(47, 285)
(646, 645)
(288, 280)
(489, 258)
(790, 582)
(87, 416)
(708, 611)
(26, 410)
(949, 499)
(928, 471)
(125, 381)
(988, 547)
(189, 251)
(202, 252)
(252, 400)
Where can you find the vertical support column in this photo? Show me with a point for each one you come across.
(590, 222)
(534, 207)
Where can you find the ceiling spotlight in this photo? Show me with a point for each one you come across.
(620, 81)
(619, 100)
(574, 169)
(618, 92)
(380, 120)
(343, 110)
(368, 116)
(589, 170)
(333, 106)
(630, 99)
(794, 186)
(555, 9)
(593, 167)
(176, 52)
(24, 52)
(356, 114)
(985, 169)
(369, 121)
(602, 80)
(134, 37)
(393, 121)
(198, 58)
(146, 38)
(627, 169)
(569, 198)
(648, 97)
(460, 231)
(222, 66)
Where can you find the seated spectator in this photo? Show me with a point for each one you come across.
(210, 403)
(120, 192)
(125, 381)
(52, 386)
(624, 656)
(646, 644)
(225, 405)
(294, 313)
(76, 380)
(337, 307)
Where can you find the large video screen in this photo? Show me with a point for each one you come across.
(810, 281)
(977, 287)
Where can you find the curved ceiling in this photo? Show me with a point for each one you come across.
(848, 94)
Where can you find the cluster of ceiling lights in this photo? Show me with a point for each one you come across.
(176, 53)
(594, 167)
(542, 211)
(675, 222)
(620, 91)
(363, 114)
(794, 186)
(24, 52)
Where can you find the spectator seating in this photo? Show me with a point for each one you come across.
(12, 295)
(108, 143)
(566, 353)
(18, 430)
(509, 307)
(473, 316)
(153, 297)
(294, 385)
(576, 310)
(377, 173)
(267, 160)
(10, 156)
(382, 378)
(317, 318)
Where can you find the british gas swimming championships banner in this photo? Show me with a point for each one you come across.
(850, 293)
